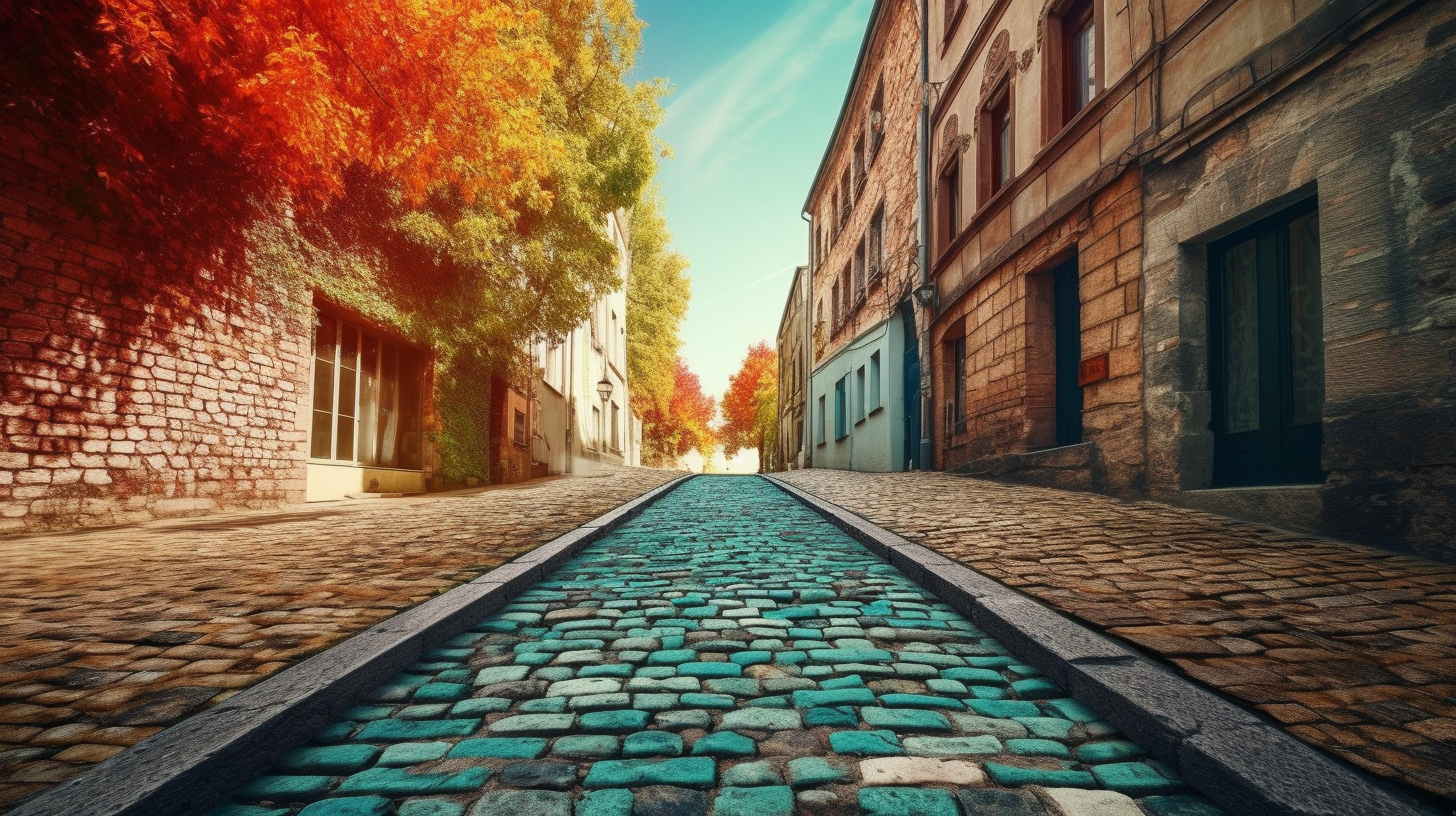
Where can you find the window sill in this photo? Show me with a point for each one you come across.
(875, 410)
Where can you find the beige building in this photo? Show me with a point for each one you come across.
(1201, 252)
(793, 387)
(576, 422)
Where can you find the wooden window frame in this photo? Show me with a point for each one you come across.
(949, 204)
(1061, 19)
(991, 151)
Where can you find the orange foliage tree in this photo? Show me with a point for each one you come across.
(684, 424)
(195, 116)
(750, 403)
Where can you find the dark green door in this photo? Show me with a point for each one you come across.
(1067, 306)
(911, 366)
(1266, 351)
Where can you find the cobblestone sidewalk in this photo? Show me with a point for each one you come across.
(108, 636)
(1352, 649)
(726, 652)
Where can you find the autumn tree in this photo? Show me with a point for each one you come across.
(445, 168)
(748, 422)
(681, 424)
(658, 291)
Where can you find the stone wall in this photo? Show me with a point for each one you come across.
(1006, 320)
(126, 398)
(1368, 133)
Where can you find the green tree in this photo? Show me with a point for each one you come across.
(658, 291)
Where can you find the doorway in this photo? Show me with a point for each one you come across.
(1266, 351)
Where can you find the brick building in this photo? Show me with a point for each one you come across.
(128, 397)
(864, 380)
(1191, 250)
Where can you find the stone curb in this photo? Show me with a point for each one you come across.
(1226, 753)
(194, 764)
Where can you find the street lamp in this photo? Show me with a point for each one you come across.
(604, 389)
(925, 294)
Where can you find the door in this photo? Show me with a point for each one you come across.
(1067, 309)
(1266, 351)
(911, 367)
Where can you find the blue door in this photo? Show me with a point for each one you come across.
(912, 389)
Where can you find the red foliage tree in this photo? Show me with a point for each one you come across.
(685, 425)
(748, 404)
(194, 116)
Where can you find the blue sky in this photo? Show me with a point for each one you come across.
(757, 85)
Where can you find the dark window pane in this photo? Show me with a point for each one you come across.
(323, 385)
(322, 437)
(1306, 322)
(1241, 338)
(325, 338)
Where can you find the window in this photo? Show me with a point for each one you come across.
(952, 11)
(518, 427)
(844, 293)
(875, 261)
(877, 119)
(997, 141)
(1266, 351)
(958, 383)
(950, 202)
(367, 397)
(834, 219)
(859, 272)
(859, 160)
(838, 304)
(819, 432)
(616, 427)
(859, 394)
(848, 201)
(874, 397)
(1079, 58)
(596, 427)
(841, 411)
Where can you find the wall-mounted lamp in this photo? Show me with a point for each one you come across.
(925, 294)
(604, 388)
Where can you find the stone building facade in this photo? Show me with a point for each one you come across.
(1200, 252)
(790, 450)
(864, 380)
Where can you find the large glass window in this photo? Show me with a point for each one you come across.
(367, 397)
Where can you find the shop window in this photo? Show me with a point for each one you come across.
(367, 397)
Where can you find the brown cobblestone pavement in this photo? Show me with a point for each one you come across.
(107, 636)
(1350, 648)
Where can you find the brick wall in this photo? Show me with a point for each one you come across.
(1006, 318)
(126, 398)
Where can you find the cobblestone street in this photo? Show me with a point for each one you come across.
(1351, 649)
(108, 636)
(728, 652)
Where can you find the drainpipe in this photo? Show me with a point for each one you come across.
(923, 253)
(808, 337)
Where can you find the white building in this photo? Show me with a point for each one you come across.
(578, 421)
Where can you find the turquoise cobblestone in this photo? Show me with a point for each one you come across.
(727, 652)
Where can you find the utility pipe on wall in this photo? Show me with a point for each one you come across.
(922, 169)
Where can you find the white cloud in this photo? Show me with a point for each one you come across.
(712, 122)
